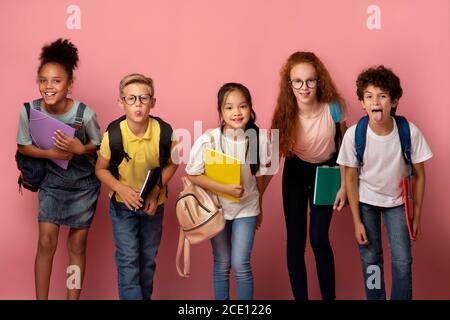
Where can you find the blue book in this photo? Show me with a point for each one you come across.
(328, 183)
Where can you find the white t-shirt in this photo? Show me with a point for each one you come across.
(384, 166)
(249, 202)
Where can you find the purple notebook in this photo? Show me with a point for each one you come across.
(42, 129)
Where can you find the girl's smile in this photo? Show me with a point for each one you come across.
(304, 74)
(235, 111)
(54, 85)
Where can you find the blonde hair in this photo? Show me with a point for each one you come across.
(136, 78)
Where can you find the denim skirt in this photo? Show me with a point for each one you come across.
(70, 202)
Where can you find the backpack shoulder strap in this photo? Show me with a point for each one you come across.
(117, 152)
(165, 146)
(212, 141)
(183, 248)
(165, 141)
(79, 116)
(27, 109)
(360, 138)
(405, 139)
(335, 111)
(37, 104)
(116, 146)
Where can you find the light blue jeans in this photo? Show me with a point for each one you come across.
(372, 255)
(232, 249)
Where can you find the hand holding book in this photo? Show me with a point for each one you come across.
(408, 200)
(151, 180)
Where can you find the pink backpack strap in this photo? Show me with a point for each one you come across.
(183, 248)
(212, 141)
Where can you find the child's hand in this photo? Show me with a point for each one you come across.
(341, 199)
(69, 144)
(234, 190)
(360, 234)
(151, 202)
(130, 197)
(58, 154)
(259, 219)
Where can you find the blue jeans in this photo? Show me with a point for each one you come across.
(137, 237)
(372, 254)
(232, 248)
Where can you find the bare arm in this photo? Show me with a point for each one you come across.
(129, 196)
(341, 195)
(72, 144)
(351, 184)
(260, 184)
(343, 128)
(209, 184)
(89, 148)
(53, 153)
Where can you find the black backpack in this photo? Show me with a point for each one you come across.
(33, 170)
(118, 153)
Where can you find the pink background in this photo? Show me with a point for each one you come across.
(190, 48)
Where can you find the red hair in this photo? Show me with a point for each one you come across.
(286, 112)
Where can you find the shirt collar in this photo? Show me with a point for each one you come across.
(132, 137)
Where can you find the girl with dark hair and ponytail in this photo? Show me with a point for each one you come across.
(66, 196)
(237, 136)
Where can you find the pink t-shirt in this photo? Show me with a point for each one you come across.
(314, 139)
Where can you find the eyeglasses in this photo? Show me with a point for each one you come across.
(143, 98)
(298, 84)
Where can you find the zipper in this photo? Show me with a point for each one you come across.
(189, 212)
(199, 203)
(204, 222)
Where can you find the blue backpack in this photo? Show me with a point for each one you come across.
(403, 132)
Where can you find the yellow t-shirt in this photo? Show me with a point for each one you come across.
(144, 154)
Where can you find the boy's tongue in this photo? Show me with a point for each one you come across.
(377, 115)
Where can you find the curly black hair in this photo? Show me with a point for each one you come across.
(381, 77)
(63, 52)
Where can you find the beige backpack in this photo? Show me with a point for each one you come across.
(200, 217)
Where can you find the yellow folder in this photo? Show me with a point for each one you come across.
(222, 168)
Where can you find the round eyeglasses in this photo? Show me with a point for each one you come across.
(298, 84)
(131, 99)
